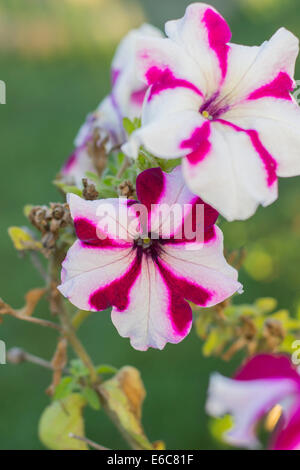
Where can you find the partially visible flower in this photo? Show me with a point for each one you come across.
(125, 100)
(145, 266)
(267, 385)
(77, 165)
(225, 108)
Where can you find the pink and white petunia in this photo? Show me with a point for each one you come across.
(125, 100)
(76, 166)
(226, 109)
(136, 258)
(265, 384)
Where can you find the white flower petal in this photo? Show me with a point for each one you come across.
(250, 68)
(85, 270)
(201, 266)
(204, 34)
(155, 314)
(230, 175)
(163, 136)
(278, 124)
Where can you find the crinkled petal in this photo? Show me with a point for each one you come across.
(204, 34)
(92, 276)
(230, 169)
(155, 314)
(199, 271)
(278, 123)
(255, 72)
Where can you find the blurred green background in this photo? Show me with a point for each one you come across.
(55, 57)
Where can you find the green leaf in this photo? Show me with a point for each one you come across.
(64, 388)
(168, 165)
(78, 369)
(211, 343)
(106, 369)
(128, 126)
(92, 176)
(131, 126)
(91, 397)
(59, 420)
(67, 188)
(219, 426)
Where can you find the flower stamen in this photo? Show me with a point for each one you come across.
(206, 115)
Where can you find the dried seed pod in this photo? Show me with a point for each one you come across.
(126, 189)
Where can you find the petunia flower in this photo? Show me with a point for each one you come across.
(77, 165)
(147, 268)
(226, 109)
(125, 100)
(266, 385)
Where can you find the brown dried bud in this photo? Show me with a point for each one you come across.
(97, 151)
(48, 220)
(37, 217)
(273, 333)
(126, 189)
(89, 191)
(58, 211)
(248, 329)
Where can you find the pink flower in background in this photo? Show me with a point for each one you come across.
(125, 100)
(225, 108)
(76, 166)
(147, 280)
(263, 383)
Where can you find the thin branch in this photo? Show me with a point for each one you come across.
(69, 333)
(18, 355)
(88, 441)
(125, 165)
(37, 321)
(66, 322)
(38, 266)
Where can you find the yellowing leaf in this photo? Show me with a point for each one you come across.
(22, 239)
(59, 420)
(124, 395)
(211, 343)
(266, 304)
